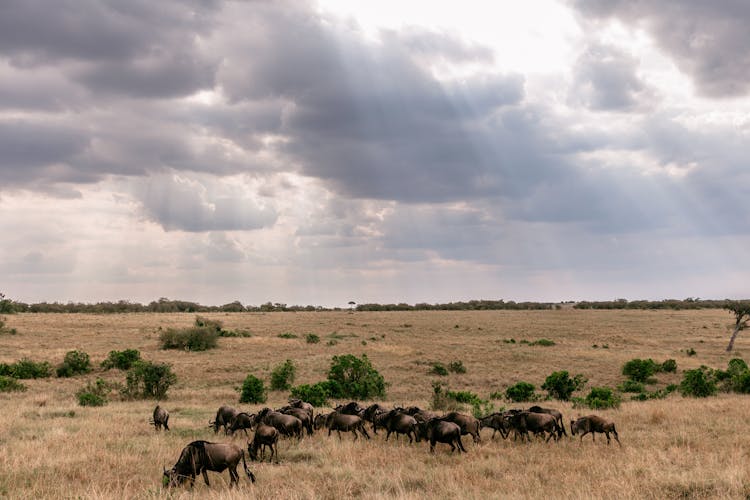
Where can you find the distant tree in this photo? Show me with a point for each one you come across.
(741, 311)
(6, 305)
(352, 304)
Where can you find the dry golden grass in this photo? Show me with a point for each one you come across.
(673, 448)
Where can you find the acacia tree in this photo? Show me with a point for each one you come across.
(741, 311)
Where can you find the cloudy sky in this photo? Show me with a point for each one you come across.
(321, 152)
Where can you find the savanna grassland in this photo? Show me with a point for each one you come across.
(672, 448)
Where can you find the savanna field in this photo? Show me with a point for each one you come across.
(50, 447)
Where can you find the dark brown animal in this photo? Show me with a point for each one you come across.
(351, 408)
(438, 430)
(373, 410)
(555, 413)
(538, 423)
(378, 420)
(201, 456)
(298, 403)
(320, 420)
(420, 414)
(287, 425)
(348, 423)
(302, 414)
(160, 418)
(496, 421)
(224, 416)
(467, 423)
(242, 421)
(594, 424)
(265, 436)
(399, 422)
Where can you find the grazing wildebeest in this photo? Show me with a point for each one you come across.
(467, 423)
(265, 436)
(555, 413)
(298, 403)
(437, 430)
(302, 414)
(399, 422)
(348, 423)
(287, 425)
(224, 416)
(496, 421)
(537, 423)
(320, 420)
(242, 421)
(201, 456)
(160, 418)
(594, 424)
(420, 414)
(351, 408)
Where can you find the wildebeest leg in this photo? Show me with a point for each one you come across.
(432, 446)
(205, 477)
(617, 438)
(339, 433)
(453, 447)
(460, 444)
(364, 431)
(354, 431)
(387, 434)
(233, 476)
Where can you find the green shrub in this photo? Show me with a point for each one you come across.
(690, 352)
(631, 385)
(669, 366)
(196, 338)
(96, 394)
(26, 369)
(75, 363)
(9, 384)
(736, 378)
(122, 360)
(311, 338)
(640, 369)
(283, 375)
(146, 380)
(543, 342)
(467, 397)
(444, 399)
(602, 397)
(697, 383)
(287, 336)
(355, 378)
(210, 324)
(315, 394)
(253, 390)
(560, 386)
(521, 392)
(457, 367)
(497, 395)
(439, 369)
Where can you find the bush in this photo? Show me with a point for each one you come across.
(632, 386)
(736, 378)
(543, 342)
(26, 369)
(75, 363)
(311, 338)
(439, 369)
(697, 383)
(210, 324)
(467, 397)
(444, 399)
(122, 360)
(521, 392)
(197, 338)
(9, 384)
(602, 397)
(287, 336)
(457, 367)
(315, 394)
(352, 377)
(560, 386)
(146, 380)
(640, 369)
(283, 375)
(669, 366)
(253, 390)
(95, 394)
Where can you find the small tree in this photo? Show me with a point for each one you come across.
(315, 394)
(75, 362)
(741, 311)
(353, 377)
(283, 375)
(698, 383)
(253, 390)
(521, 392)
(560, 386)
(146, 380)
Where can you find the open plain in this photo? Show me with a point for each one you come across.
(672, 448)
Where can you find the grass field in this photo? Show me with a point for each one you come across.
(672, 448)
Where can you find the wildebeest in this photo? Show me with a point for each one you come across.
(302, 414)
(467, 423)
(372, 410)
(537, 423)
(287, 425)
(265, 436)
(594, 424)
(556, 414)
(320, 420)
(378, 420)
(437, 430)
(224, 416)
(497, 422)
(242, 421)
(201, 456)
(298, 403)
(420, 414)
(160, 418)
(399, 422)
(348, 423)
(351, 408)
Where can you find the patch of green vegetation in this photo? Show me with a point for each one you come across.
(287, 335)
(122, 360)
(311, 338)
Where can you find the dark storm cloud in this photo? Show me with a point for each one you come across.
(708, 40)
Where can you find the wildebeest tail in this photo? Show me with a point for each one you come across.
(250, 475)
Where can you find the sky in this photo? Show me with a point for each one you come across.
(393, 151)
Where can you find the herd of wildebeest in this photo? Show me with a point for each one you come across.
(299, 417)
